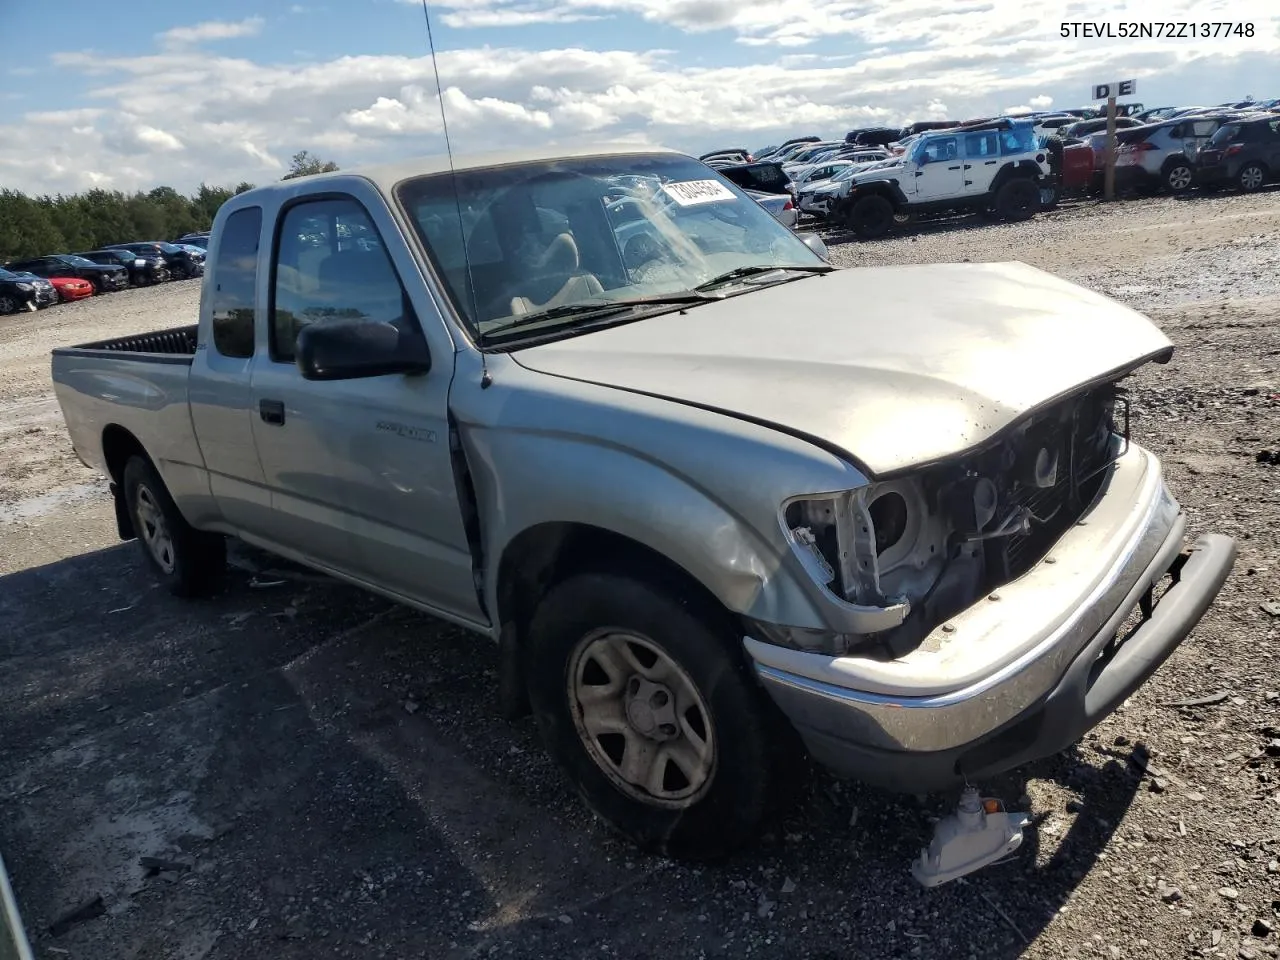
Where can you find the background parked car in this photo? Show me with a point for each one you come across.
(779, 204)
(1161, 156)
(200, 240)
(71, 288)
(103, 277)
(20, 291)
(183, 263)
(1244, 153)
(144, 270)
(765, 177)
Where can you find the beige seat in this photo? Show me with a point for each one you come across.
(559, 259)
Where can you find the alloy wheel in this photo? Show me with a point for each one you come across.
(153, 529)
(641, 718)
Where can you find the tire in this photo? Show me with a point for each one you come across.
(8, 304)
(1050, 194)
(1251, 177)
(1177, 176)
(188, 561)
(1017, 200)
(871, 216)
(610, 631)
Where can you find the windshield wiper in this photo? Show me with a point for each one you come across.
(738, 273)
(595, 309)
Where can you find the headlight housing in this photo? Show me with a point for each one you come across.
(25, 287)
(876, 546)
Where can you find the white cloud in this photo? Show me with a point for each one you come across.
(188, 113)
(211, 30)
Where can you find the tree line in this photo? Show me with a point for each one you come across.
(36, 226)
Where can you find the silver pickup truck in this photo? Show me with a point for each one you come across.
(718, 503)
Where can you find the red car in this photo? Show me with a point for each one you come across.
(71, 288)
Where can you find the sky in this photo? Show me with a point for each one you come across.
(130, 97)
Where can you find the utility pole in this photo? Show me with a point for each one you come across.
(1109, 173)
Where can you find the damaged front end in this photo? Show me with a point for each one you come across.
(904, 554)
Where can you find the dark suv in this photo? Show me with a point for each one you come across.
(764, 176)
(183, 263)
(1244, 153)
(144, 269)
(103, 277)
(23, 291)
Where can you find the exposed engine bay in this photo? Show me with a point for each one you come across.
(939, 540)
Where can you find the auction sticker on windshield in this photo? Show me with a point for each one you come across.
(690, 192)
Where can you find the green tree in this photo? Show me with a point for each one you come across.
(27, 228)
(35, 226)
(305, 163)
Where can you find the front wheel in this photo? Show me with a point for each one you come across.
(1018, 200)
(871, 216)
(8, 303)
(649, 707)
(190, 562)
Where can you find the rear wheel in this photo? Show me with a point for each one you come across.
(649, 707)
(1178, 176)
(871, 216)
(8, 303)
(1251, 177)
(1017, 200)
(190, 562)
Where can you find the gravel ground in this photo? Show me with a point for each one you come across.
(321, 774)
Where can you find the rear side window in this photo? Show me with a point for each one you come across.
(331, 265)
(236, 269)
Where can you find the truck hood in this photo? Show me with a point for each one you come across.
(891, 367)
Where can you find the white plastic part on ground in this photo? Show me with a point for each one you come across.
(978, 833)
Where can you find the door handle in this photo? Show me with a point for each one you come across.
(990, 163)
(919, 173)
(953, 168)
(968, 183)
(271, 411)
(968, 165)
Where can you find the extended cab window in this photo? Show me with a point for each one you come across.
(330, 265)
(237, 275)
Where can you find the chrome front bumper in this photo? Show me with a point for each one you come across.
(1006, 680)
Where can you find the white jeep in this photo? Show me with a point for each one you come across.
(994, 167)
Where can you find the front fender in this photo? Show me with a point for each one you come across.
(701, 489)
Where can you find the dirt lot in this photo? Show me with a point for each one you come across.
(323, 775)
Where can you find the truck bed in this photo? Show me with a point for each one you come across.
(177, 345)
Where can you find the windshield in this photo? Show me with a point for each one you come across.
(601, 230)
(77, 261)
(169, 247)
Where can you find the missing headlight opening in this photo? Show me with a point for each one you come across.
(939, 540)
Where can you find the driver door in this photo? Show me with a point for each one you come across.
(939, 173)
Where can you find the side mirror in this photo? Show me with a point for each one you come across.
(814, 243)
(352, 349)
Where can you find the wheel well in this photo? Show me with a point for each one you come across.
(1176, 158)
(549, 553)
(546, 554)
(878, 190)
(118, 445)
(1014, 171)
